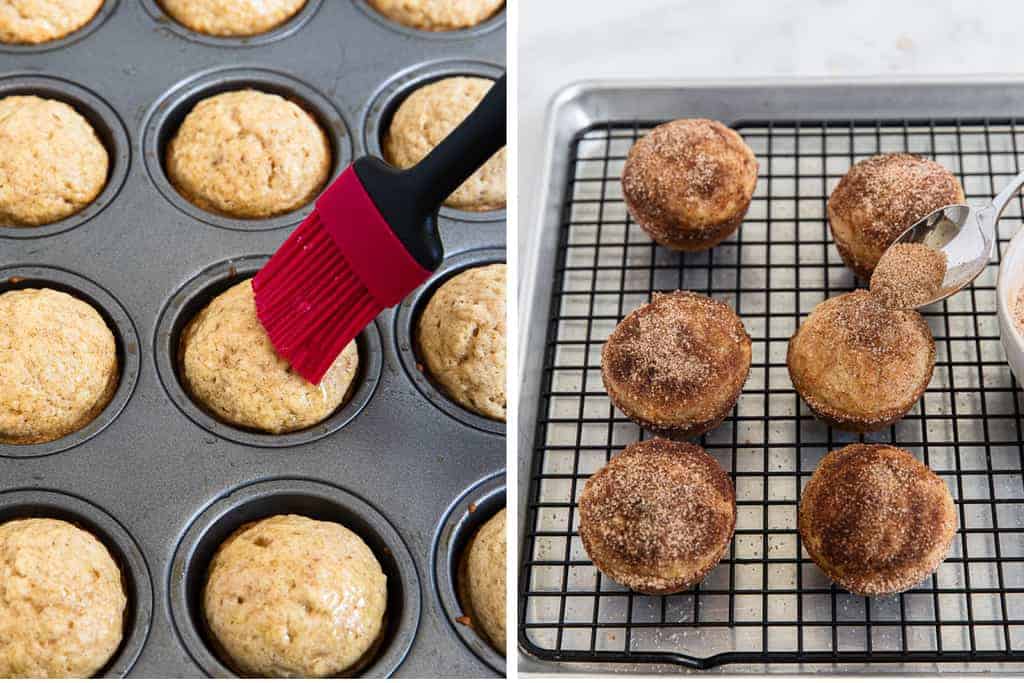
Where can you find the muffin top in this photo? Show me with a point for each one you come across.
(687, 177)
(232, 17)
(438, 15)
(860, 363)
(879, 198)
(290, 596)
(249, 154)
(461, 339)
(659, 516)
(51, 162)
(485, 576)
(63, 604)
(875, 519)
(40, 21)
(230, 367)
(426, 117)
(58, 365)
(677, 363)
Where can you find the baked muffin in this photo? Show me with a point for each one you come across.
(688, 183)
(438, 15)
(58, 365)
(295, 597)
(859, 364)
(484, 580)
(677, 364)
(879, 198)
(461, 339)
(229, 366)
(426, 117)
(63, 604)
(658, 517)
(876, 520)
(232, 17)
(249, 154)
(52, 165)
(40, 21)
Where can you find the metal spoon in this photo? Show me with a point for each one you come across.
(965, 234)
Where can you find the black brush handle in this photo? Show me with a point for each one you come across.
(408, 200)
(466, 149)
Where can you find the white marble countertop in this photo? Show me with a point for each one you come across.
(562, 41)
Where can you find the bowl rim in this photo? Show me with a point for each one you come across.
(1008, 330)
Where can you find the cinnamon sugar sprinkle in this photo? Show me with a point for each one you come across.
(1018, 311)
(909, 275)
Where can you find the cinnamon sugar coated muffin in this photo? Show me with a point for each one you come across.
(438, 15)
(876, 520)
(859, 364)
(289, 596)
(461, 339)
(232, 17)
(249, 154)
(40, 21)
(52, 164)
(658, 517)
(58, 365)
(677, 365)
(228, 365)
(485, 578)
(688, 183)
(63, 601)
(879, 198)
(426, 117)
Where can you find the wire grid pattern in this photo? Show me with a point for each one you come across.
(767, 601)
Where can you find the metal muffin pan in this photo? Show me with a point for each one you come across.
(465, 517)
(153, 461)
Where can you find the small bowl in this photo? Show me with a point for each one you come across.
(1011, 281)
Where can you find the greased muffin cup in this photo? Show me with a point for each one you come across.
(149, 260)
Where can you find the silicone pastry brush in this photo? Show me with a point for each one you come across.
(371, 240)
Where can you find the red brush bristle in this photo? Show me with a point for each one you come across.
(310, 301)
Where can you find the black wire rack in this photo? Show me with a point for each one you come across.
(767, 602)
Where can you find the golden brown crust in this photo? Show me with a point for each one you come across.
(678, 364)
(688, 183)
(876, 520)
(658, 517)
(879, 198)
(859, 365)
(30, 22)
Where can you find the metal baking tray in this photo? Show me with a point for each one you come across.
(766, 608)
(160, 480)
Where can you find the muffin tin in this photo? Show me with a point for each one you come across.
(156, 477)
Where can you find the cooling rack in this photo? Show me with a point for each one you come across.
(767, 603)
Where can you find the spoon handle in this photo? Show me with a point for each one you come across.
(1008, 193)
